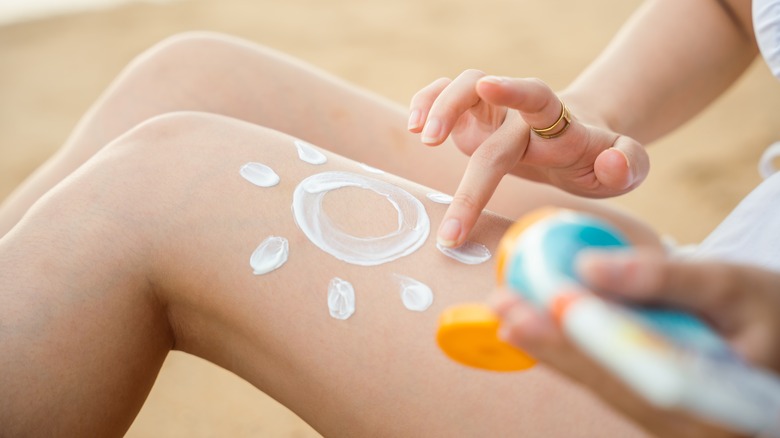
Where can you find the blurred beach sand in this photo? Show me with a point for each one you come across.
(52, 69)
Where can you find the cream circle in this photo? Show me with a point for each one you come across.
(413, 223)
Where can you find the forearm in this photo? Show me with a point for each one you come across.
(670, 60)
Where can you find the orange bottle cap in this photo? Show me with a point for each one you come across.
(468, 334)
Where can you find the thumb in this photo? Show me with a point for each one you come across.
(488, 164)
(623, 166)
(715, 290)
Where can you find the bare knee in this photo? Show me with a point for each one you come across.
(160, 141)
(191, 47)
(127, 182)
(88, 310)
(189, 68)
(162, 160)
(126, 200)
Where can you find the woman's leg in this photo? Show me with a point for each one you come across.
(147, 248)
(229, 76)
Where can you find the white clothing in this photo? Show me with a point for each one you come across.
(751, 233)
(766, 25)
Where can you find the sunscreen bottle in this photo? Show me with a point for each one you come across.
(670, 357)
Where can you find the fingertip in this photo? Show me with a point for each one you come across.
(432, 132)
(415, 122)
(528, 328)
(623, 166)
(449, 234)
(501, 300)
(458, 222)
(613, 169)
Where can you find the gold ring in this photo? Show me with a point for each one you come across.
(565, 116)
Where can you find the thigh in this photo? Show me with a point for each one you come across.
(163, 224)
(226, 75)
(376, 373)
(233, 77)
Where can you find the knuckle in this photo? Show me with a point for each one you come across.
(472, 73)
(494, 156)
(537, 105)
(448, 109)
(467, 201)
(430, 92)
(540, 104)
(722, 284)
(436, 86)
(537, 82)
(727, 283)
(441, 82)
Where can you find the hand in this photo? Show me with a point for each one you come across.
(473, 109)
(741, 302)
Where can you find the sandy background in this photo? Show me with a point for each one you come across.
(52, 69)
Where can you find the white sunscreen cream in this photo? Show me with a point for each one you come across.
(341, 298)
(439, 198)
(415, 295)
(370, 169)
(413, 223)
(269, 255)
(470, 253)
(309, 154)
(259, 174)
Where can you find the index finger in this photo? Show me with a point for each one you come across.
(488, 164)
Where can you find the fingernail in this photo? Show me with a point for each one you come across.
(601, 267)
(628, 164)
(498, 80)
(414, 119)
(521, 320)
(449, 231)
(432, 131)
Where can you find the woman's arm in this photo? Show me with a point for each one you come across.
(670, 60)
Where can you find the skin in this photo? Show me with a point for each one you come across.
(662, 82)
(104, 277)
(140, 234)
(172, 76)
(740, 302)
(155, 290)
